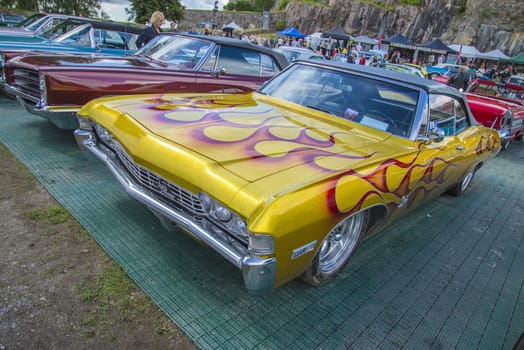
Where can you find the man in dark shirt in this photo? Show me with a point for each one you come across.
(460, 80)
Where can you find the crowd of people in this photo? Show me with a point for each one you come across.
(333, 49)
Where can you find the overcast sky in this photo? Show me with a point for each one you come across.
(115, 8)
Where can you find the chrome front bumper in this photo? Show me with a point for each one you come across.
(61, 117)
(259, 273)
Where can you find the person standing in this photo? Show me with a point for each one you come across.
(460, 80)
(362, 60)
(157, 19)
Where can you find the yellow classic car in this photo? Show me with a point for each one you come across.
(286, 181)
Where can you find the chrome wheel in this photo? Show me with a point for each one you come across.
(466, 181)
(461, 186)
(340, 243)
(336, 249)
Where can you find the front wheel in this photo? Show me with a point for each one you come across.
(336, 249)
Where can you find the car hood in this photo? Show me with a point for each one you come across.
(251, 135)
(54, 60)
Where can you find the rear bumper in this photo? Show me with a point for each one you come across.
(259, 273)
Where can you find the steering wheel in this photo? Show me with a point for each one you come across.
(380, 114)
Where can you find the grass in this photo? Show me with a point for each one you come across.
(53, 215)
(114, 296)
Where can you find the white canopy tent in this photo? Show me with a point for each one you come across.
(465, 50)
(493, 55)
(365, 40)
(232, 27)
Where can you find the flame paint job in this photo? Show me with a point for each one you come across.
(291, 172)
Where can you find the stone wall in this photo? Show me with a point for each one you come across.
(475, 22)
(246, 20)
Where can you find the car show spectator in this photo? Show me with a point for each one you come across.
(157, 19)
(460, 80)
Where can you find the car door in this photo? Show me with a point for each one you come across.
(234, 69)
(450, 154)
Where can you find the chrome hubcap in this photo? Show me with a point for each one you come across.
(340, 243)
(466, 181)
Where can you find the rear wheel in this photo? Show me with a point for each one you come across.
(336, 249)
(464, 183)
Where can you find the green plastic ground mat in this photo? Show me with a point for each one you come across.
(448, 276)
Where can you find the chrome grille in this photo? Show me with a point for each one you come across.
(27, 81)
(172, 193)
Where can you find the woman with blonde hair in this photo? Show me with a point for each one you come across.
(157, 19)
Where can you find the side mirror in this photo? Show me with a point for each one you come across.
(219, 71)
(436, 134)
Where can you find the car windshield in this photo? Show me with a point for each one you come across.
(375, 103)
(29, 20)
(184, 52)
(296, 54)
(61, 29)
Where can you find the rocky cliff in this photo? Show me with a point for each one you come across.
(487, 25)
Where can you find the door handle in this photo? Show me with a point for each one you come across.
(460, 148)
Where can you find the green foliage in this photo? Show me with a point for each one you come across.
(462, 7)
(282, 6)
(261, 5)
(411, 2)
(241, 5)
(28, 5)
(250, 6)
(280, 25)
(86, 8)
(142, 9)
(312, 2)
(53, 215)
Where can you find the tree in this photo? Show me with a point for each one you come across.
(142, 9)
(249, 5)
(240, 5)
(29, 5)
(86, 8)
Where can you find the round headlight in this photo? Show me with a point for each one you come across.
(103, 134)
(241, 226)
(222, 213)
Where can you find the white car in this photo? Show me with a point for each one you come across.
(299, 53)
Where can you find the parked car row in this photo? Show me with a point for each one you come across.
(499, 110)
(10, 19)
(56, 85)
(282, 169)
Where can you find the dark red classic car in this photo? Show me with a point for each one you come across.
(503, 114)
(55, 86)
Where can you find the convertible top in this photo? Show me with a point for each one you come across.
(110, 25)
(429, 85)
(237, 43)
